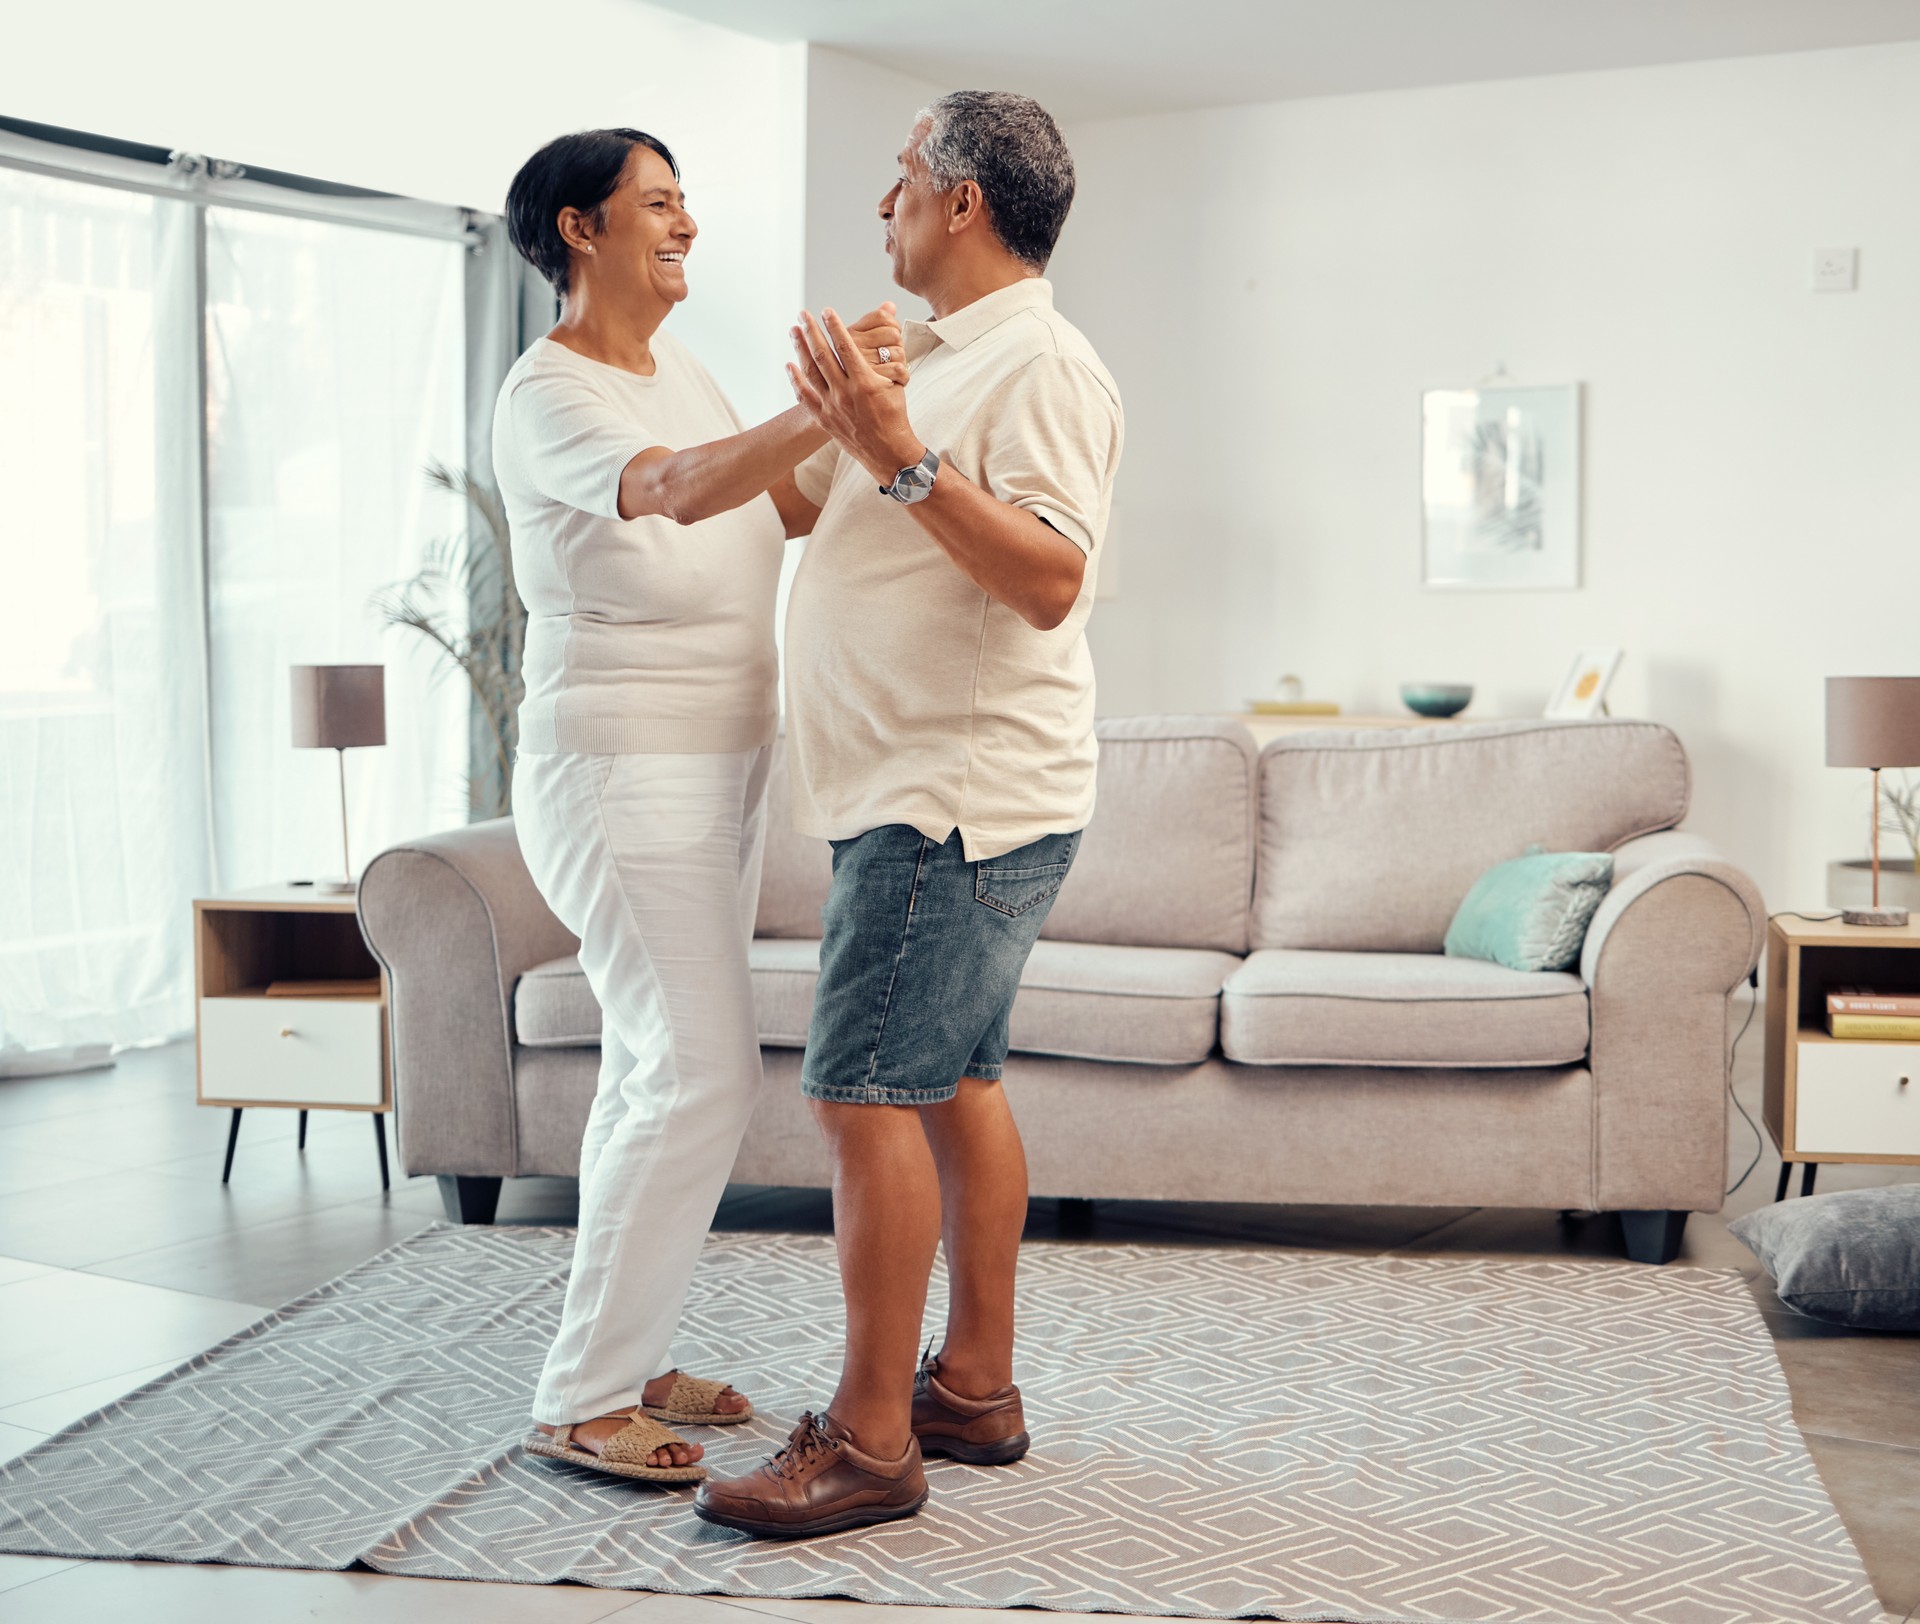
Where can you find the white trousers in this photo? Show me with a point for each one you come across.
(653, 861)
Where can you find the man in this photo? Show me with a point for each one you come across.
(940, 706)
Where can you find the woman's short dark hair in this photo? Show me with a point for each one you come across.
(578, 171)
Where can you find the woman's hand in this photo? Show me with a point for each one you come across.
(875, 330)
(850, 397)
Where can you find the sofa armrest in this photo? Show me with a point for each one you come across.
(1681, 929)
(454, 919)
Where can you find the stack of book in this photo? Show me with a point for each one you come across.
(1882, 1017)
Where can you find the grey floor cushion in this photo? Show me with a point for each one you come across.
(1852, 1257)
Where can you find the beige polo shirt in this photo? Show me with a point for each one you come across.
(913, 697)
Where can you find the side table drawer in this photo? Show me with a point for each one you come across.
(303, 1051)
(1858, 1098)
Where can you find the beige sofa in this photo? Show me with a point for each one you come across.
(1239, 996)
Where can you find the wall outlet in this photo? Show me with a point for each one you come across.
(1836, 270)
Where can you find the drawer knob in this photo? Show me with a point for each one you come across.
(1903, 1082)
(287, 1032)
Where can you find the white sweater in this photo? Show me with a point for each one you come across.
(643, 636)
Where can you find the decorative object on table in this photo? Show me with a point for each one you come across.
(1829, 1099)
(1874, 722)
(1850, 880)
(1532, 913)
(465, 602)
(1500, 486)
(1437, 700)
(292, 1010)
(1852, 1257)
(339, 708)
(1582, 694)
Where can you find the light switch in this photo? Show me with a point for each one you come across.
(1836, 270)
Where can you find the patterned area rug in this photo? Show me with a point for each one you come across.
(1218, 1433)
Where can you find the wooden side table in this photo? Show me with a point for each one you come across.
(325, 1050)
(1837, 1099)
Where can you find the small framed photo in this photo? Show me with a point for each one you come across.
(1500, 487)
(1583, 691)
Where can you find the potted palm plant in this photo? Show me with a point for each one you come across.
(464, 601)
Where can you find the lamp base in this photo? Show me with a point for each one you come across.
(1874, 916)
(346, 888)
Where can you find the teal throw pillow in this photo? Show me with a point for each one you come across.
(1532, 913)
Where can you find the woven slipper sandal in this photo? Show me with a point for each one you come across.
(692, 1404)
(624, 1454)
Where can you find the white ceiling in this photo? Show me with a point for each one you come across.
(1100, 58)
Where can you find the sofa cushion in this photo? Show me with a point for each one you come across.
(1369, 841)
(1289, 1007)
(795, 870)
(1167, 860)
(1156, 1006)
(554, 1008)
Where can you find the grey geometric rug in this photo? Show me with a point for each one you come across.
(1218, 1433)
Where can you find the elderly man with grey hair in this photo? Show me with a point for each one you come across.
(940, 729)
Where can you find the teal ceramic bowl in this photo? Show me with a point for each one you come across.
(1436, 698)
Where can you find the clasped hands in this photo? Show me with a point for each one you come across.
(838, 378)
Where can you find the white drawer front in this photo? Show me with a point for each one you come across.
(306, 1051)
(1849, 1098)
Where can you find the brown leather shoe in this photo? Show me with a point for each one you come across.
(820, 1483)
(990, 1431)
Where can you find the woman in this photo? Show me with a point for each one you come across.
(647, 538)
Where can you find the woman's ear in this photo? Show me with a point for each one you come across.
(574, 230)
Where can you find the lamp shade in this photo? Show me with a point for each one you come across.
(339, 707)
(1873, 721)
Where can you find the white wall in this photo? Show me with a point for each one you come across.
(858, 115)
(1274, 286)
(445, 103)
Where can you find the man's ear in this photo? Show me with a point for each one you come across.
(966, 207)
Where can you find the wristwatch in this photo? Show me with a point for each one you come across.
(914, 484)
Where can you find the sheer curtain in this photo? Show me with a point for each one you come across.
(335, 373)
(103, 805)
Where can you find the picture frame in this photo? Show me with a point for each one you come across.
(1582, 693)
(1500, 487)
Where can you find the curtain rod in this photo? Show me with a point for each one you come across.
(188, 177)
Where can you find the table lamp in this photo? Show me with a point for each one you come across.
(339, 708)
(1874, 722)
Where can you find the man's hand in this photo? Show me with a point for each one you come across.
(879, 329)
(846, 395)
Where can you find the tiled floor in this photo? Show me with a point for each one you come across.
(120, 1254)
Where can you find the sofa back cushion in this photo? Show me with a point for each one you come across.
(1166, 862)
(1369, 840)
(1168, 859)
(796, 870)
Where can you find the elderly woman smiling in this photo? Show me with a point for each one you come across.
(648, 527)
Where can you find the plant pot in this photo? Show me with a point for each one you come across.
(1850, 884)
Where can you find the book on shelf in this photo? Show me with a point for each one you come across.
(1866, 1001)
(357, 988)
(1883, 1028)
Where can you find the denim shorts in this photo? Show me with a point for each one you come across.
(920, 961)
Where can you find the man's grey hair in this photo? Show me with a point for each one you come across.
(1012, 150)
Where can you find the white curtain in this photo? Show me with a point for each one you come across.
(144, 755)
(103, 807)
(335, 373)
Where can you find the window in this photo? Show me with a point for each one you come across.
(216, 407)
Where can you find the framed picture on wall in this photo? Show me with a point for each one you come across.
(1583, 691)
(1500, 487)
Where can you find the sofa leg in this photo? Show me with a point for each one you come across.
(469, 1200)
(1653, 1237)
